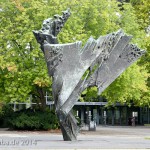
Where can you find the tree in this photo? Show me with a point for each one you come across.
(142, 12)
(22, 66)
(132, 85)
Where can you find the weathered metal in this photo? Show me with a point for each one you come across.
(105, 58)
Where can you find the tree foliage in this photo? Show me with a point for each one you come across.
(23, 71)
(142, 8)
(22, 66)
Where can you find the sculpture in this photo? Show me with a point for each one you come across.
(105, 59)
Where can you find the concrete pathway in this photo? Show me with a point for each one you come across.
(105, 137)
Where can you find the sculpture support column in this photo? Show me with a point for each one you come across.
(68, 125)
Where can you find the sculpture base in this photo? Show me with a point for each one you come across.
(68, 126)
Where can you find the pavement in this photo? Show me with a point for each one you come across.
(105, 137)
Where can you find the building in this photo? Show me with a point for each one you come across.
(98, 112)
(117, 115)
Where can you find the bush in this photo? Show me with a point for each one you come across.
(6, 113)
(34, 120)
(28, 119)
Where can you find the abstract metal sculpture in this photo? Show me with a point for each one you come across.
(105, 59)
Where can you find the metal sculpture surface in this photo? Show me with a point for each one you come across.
(105, 59)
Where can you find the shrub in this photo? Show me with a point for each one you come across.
(28, 119)
(34, 120)
(6, 113)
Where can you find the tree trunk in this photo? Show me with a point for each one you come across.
(41, 97)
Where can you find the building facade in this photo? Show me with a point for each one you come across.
(117, 115)
(98, 112)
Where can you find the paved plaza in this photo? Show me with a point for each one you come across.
(105, 137)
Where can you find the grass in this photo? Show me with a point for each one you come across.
(147, 125)
(147, 138)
